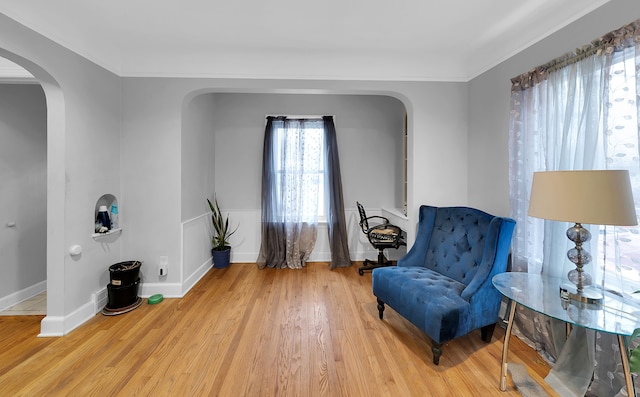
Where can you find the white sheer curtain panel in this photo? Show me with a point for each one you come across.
(620, 246)
(556, 124)
(578, 112)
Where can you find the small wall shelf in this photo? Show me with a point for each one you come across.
(106, 200)
(99, 236)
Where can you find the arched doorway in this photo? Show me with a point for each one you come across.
(23, 192)
(55, 127)
(219, 118)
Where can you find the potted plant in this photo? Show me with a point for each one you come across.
(634, 354)
(221, 250)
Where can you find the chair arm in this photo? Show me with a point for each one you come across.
(386, 220)
(417, 254)
(495, 256)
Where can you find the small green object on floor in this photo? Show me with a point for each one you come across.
(153, 299)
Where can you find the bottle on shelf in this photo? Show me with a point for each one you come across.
(103, 222)
(114, 217)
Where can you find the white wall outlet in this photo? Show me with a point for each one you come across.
(163, 266)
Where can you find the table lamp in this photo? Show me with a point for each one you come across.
(598, 197)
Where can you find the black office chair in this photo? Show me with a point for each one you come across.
(382, 235)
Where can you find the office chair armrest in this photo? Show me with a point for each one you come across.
(386, 220)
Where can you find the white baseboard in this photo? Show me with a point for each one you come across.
(51, 326)
(22, 295)
(174, 290)
(168, 290)
(195, 277)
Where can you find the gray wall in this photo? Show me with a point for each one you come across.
(489, 96)
(23, 191)
(198, 180)
(198, 154)
(369, 133)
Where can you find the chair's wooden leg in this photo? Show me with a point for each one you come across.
(380, 308)
(436, 349)
(486, 332)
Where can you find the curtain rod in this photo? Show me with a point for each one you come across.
(297, 116)
(616, 40)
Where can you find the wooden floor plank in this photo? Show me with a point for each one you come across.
(242, 331)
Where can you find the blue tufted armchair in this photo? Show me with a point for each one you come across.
(443, 284)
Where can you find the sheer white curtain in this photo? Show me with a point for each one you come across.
(620, 246)
(556, 124)
(578, 112)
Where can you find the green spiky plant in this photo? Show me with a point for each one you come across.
(634, 354)
(220, 238)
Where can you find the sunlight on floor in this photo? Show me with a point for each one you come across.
(36, 305)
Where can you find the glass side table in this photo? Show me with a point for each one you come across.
(542, 294)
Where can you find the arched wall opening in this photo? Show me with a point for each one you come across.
(222, 134)
(23, 201)
(55, 190)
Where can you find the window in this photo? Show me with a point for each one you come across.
(300, 158)
(299, 167)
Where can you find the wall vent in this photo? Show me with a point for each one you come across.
(100, 299)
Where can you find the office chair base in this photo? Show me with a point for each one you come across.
(370, 265)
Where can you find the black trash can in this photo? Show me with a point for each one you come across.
(121, 296)
(124, 273)
(122, 291)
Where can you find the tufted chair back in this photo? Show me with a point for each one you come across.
(457, 242)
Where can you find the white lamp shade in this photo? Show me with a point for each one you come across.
(599, 197)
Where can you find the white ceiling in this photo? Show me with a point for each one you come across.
(441, 40)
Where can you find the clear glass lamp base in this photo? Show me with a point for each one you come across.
(580, 278)
(582, 292)
(589, 295)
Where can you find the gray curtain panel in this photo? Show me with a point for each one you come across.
(336, 221)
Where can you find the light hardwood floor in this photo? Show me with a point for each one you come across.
(247, 332)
